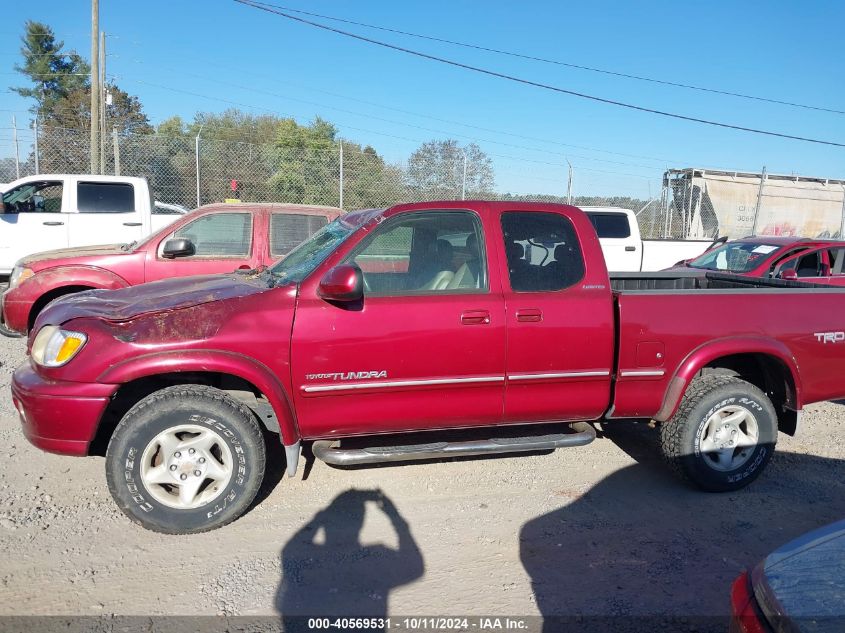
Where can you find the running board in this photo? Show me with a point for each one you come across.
(325, 451)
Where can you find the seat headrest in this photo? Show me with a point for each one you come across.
(445, 252)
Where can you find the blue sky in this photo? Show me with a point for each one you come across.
(230, 53)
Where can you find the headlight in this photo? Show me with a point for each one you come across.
(19, 275)
(53, 346)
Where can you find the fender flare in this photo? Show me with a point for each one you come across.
(218, 361)
(708, 352)
(51, 279)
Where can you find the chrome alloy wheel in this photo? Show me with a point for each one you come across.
(186, 466)
(728, 438)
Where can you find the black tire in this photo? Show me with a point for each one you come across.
(237, 431)
(680, 437)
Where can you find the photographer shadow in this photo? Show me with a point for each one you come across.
(640, 551)
(327, 572)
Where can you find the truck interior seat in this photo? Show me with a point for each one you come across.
(444, 274)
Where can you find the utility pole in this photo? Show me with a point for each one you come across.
(464, 181)
(35, 137)
(341, 175)
(759, 202)
(569, 185)
(17, 156)
(102, 102)
(95, 85)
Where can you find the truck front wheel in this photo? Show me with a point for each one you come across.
(185, 459)
(723, 434)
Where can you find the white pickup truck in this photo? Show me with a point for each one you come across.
(50, 211)
(625, 250)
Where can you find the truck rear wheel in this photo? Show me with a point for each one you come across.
(185, 459)
(723, 434)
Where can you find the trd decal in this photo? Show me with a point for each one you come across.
(829, 337)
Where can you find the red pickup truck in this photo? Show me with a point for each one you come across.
(426, 330)
(214, 238)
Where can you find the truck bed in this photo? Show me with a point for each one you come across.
(664, 318)
(700, 280)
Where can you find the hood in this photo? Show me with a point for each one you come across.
(79, 251)
(804, 581)
(159, 296)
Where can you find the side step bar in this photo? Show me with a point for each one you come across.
(325, 451)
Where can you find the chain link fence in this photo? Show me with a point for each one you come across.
(191, 171)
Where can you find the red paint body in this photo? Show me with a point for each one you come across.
(429, 361)
(111, 267)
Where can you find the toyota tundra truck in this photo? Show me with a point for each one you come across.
(424, 331)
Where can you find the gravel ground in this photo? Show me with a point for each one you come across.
(599, 530)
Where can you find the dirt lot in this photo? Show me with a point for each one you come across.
(597, 530)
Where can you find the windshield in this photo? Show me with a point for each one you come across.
(735, 257)
(307, 256)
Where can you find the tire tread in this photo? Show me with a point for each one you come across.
(176, 393)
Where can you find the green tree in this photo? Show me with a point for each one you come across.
(56, 76)
(436, 170)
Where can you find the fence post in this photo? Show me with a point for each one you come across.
(116, 151)
(569, 185)
(15, 139)
(341, 175)
(464, 181)
(197, 152)
(759, 202)
(842, 221)
(35, 132)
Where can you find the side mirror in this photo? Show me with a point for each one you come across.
(788, 275)
(342, 283)
(179, 247)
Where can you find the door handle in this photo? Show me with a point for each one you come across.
(529, 315)
(475, 317)
(131, 224)
(630, 248)
(53, 223)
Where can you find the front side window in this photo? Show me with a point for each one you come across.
(424, 253)
(105, 197)
(807, 265)
(542, 251)
(610, 225)
(303, 259)
(34, 197)
(219, 235)
(287, 230)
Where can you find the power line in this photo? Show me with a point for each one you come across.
(537, 84)
(411, 125)
(544, 60)
(426, 116)
(357, 129)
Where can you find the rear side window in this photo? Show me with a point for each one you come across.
(288, 230)
(611, 225)
(219, 235)
(542, 250)
(105, 197)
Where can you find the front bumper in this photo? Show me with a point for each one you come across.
(59, 416)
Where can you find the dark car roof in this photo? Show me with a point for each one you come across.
(806, 578)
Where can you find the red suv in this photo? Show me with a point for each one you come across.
(215, 238)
